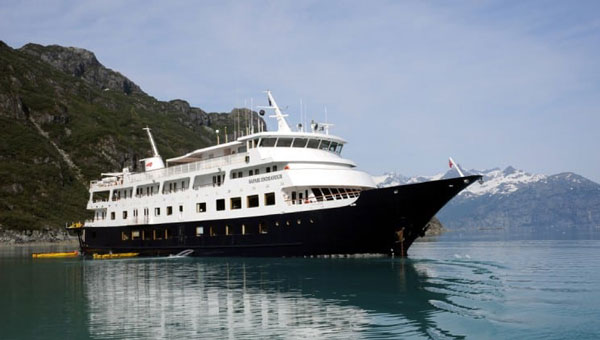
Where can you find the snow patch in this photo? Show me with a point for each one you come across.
(495, 181)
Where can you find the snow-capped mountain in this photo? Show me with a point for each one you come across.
(514, 202)
(495, 181)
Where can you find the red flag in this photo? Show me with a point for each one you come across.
(450, 163)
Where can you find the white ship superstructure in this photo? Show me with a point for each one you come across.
(263, 173)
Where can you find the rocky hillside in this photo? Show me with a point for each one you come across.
(65, 118)
(518, 203)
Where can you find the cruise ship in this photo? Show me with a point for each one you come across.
(268, 193)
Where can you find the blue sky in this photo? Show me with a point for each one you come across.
(407, 83)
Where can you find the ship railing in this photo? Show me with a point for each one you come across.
(103, 184)
(186, 168)
(323, 198)
(172, 170)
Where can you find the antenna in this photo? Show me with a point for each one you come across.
(152, 142)
(301, 113)
(251, 115)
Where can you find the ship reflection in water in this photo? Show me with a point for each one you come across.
(260, 298)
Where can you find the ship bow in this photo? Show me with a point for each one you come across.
(405, 210)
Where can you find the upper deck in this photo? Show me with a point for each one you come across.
(283, 145)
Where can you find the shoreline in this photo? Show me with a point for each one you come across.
(28, 237)
(41, 243)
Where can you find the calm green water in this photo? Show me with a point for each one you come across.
(445, 290)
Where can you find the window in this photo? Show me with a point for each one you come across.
(268, 169)
(156, 211)
(327, 194)
(240, 174)
(146, 235)
(336, 193)
(217, 180)
(199, 231)
(124, 236)
(256, 171)
(135, 234)
(318, 194)
(167, 234)
(343, 192)
(339, 149)
(236, 203)
(169, 211)
(268, 142)
(352, 193)
(252, 201)
(220, 204)
(333, 146)
(299, 142)
(157, 234)
(313, 143)
(201, 207)
(250, 173)
(284, 142)
(234, 175)
(181, 208)
(270, 198)
(274, 168)
(324, 145)
(227, 229)
(212, 231)
(112, 215)
(125, 214)
(243, 229)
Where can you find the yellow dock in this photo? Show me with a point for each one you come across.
(114, 256)
(74, 253)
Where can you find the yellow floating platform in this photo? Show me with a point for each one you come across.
(114, 256)
(74, 253)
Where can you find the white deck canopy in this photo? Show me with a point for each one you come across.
(207, 153)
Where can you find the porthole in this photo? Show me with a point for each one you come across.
(277, 223)
(299, 221)
(287, 223)
(311, 221)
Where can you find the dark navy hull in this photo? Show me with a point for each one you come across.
(383, 221)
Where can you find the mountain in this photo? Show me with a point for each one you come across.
(65, 118)
(518, 203)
